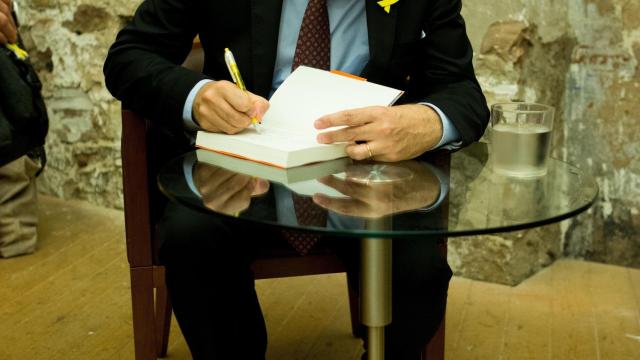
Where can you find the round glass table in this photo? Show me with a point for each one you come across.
(436, 196)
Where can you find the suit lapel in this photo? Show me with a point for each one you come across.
(382, 32)
(265, 25)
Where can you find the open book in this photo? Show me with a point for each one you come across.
(288, 137)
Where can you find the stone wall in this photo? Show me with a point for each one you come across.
(582, 56)
(68, 41)
(602, 126)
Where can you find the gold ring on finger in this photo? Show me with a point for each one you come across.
(369, 150)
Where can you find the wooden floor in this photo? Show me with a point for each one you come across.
(70, 300)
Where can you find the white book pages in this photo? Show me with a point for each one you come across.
(308, 94)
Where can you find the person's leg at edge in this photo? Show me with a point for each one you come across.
(18, 207)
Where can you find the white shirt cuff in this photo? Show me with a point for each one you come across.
(450, 137)
(187, 111)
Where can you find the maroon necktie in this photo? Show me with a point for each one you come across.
(312, 49)
(314, 41)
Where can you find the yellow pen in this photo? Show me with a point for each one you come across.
(237, 78)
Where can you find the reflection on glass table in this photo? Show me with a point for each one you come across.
(476, 200)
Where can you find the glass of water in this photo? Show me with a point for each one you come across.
(520, 139)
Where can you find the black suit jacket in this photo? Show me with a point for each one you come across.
(142, 67)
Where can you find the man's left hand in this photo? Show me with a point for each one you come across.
(391, 134)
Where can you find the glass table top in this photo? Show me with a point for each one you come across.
(447, 194)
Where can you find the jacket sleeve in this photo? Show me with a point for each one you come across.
(142, 68)
(447, 73)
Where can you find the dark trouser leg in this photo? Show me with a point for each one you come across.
(420, 280)
(211, 285)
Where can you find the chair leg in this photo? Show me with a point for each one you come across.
(143, 313)
(434, 350)
(357, 329)
(163, 320)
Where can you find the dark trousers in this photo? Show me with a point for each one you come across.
(212, 287)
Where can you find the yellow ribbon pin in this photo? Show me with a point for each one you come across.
(20, 54)
(386, 4)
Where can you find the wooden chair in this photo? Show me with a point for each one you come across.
(151, 308)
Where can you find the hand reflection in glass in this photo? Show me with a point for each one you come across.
(377, 199)
(225, 191)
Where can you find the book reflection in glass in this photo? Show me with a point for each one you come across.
(302, 179)
(288, 137)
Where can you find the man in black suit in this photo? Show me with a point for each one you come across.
(419, 46)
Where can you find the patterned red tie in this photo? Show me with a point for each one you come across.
(312, 49)
(314, 41)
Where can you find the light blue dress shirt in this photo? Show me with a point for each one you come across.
(349, 53)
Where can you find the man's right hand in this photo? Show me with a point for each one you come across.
(221, 106)
(8, 31)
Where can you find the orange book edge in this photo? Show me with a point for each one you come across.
(346, 74)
